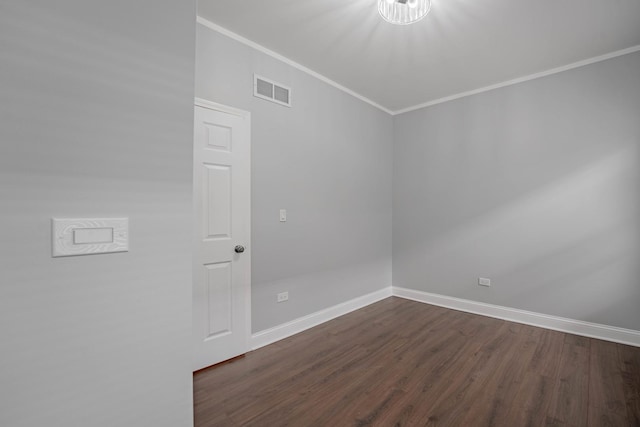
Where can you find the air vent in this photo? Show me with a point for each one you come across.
(271, 91)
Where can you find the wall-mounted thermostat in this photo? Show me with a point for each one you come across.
(86, 236)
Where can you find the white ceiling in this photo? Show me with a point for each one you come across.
(461, 45)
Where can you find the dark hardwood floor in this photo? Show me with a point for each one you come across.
(404, 363)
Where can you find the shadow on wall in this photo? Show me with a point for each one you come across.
(569, 248)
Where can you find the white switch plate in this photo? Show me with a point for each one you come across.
(86, 236)
(484, 282)
(283, 215)
(283, 296)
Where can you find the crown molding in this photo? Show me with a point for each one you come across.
(225, 32)
(523, 79)
(219, 29)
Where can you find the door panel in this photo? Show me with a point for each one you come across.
(220, 290)
(217, 191)
(222, 277)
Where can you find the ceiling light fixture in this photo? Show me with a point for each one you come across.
(403, 12)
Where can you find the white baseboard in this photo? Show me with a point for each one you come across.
(277, 333)
(577, 327)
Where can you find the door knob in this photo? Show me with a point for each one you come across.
(239, 249)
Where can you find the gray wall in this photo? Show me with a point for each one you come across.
(536, 186)
(96, 120)
(327, 160)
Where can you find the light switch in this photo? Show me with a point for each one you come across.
(86, 236)
(283, 215)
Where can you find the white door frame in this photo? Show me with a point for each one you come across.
(245, 115)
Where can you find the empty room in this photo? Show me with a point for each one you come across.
(319, 213)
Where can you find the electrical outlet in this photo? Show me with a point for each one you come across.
(283, 296)
(484, 282)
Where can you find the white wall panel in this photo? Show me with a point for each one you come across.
(96, 121)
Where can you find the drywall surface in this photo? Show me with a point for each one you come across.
(96, 120)
(327, 161)
(535, 186)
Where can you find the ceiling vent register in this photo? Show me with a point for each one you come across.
(271, 91)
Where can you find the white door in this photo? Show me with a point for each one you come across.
(222, 270)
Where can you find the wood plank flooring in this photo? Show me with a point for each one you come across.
(404, 363)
